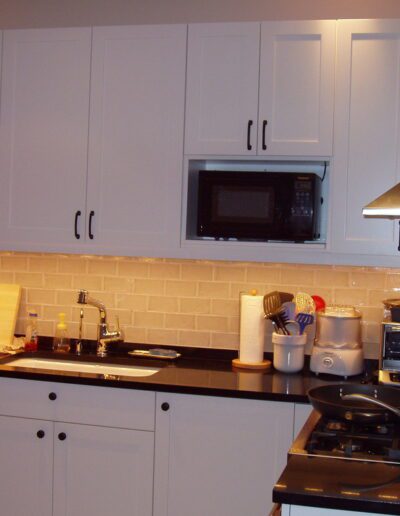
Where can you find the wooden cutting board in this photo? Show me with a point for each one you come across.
(10, 296)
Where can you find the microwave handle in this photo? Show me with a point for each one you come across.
(249, 124)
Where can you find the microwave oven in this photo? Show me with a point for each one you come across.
(244, 205)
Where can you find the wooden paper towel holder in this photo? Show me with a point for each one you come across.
(265, 364)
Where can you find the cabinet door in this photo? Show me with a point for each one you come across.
(218, 456)
(136, 138)
(367, 135)
(43, 137)
(297, 88)
(102, 471)
(222, 88)
(26, 466)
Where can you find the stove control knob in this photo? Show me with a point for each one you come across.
(327, 361)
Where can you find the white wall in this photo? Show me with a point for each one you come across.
(57, 13)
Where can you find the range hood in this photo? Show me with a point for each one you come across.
(385, 206)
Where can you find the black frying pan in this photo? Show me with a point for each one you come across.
(355, 402)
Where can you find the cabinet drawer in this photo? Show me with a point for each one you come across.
(26, 398)
(105, 406)
(85, 404)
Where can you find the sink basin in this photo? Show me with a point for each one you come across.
(82, 367)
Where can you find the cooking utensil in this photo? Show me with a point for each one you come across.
(293, 327)
(374, 401)
(304, 320)
(334, 401)
(272, 302)
(319, 303)
(289, 308)
(279, 319)
(304, 303)
(286, 297)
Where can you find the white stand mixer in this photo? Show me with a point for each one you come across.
(338, 348)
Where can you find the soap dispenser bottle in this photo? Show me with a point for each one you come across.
(61, 342)
(31, 333)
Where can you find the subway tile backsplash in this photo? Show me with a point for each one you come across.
(183, 302)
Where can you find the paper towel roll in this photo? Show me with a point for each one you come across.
(252, 329)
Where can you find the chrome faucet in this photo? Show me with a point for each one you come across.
(105, 336)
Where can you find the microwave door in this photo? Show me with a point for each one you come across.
(242, 212)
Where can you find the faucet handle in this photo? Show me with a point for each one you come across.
(118, 331)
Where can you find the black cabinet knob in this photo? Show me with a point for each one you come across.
(40, 434)
(52, 396)
(165, 406)
(62, 436)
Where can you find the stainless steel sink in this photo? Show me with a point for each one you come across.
(82, 367)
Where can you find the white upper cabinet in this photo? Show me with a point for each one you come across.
(43, 136)
(367, 136)
(91, 139)
(136, 138)
(241, 100)
(297, 88)
(222, 88)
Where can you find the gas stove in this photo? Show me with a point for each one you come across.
(339, 439)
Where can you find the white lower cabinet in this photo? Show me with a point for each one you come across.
(74, 450)
(102, 471)
(218, 456)
(26, 466)
(59, 467)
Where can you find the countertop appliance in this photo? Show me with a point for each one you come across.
(338, 348)
(282, 206)
(389, 361)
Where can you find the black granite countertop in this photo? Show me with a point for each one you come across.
(197, 371)
(340, 484)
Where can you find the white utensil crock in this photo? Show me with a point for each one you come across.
(289, 352)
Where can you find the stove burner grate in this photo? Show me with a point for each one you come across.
(364, 441)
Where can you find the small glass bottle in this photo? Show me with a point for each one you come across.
(61, 342)
(31, 333)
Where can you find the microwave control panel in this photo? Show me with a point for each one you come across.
(303, 200)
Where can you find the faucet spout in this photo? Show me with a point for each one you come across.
(105, 336)
(85, 299)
